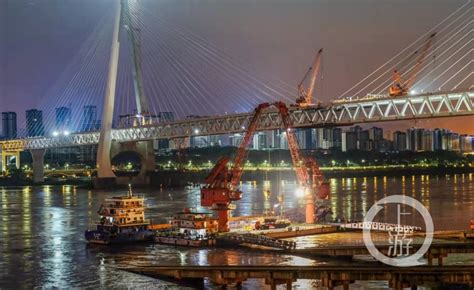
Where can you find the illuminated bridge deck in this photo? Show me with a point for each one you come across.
(429, 105)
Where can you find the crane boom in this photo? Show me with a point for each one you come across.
(238, 168)
(422, 57)
(221, 183)
(399, 87)
(306, 95)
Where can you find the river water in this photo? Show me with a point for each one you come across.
(42, 243)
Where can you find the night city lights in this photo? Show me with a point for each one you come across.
(237, 144)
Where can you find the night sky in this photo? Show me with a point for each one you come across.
(274, 39)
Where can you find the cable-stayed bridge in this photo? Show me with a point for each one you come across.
(431, 105)
(434, 83)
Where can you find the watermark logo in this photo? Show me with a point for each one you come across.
(400, 236)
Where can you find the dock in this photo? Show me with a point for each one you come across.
(253, 239)
(300, 231)
(437, 251)
(330, 276)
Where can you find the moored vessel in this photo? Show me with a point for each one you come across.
(122, 220)
(189, 229)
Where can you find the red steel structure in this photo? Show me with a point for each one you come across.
(400, 87)
(221, 183)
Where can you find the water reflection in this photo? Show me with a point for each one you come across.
(42, 242)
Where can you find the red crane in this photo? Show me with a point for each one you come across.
(221, 183)
(305, 97)
(400, 87)
(307, 170)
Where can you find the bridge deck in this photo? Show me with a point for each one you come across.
(429, 105)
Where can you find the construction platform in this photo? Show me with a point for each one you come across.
(461, 277)
(299, 231)
(236, 239)
(437, 251)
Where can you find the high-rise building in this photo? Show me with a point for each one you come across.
(273, 138)
(427, 141)
(454, 142)
(349, 141)
(283, 140)
(323, 138)
(357, 129)
(438, 139)
(9, 125)
(89, 119)
(34, 123)
(63, 118)
(376, 134)
(399, 141)
(337, 137)
(365, 143)
(235, 140)
(414, 139)
(465, 143)
(259, 141)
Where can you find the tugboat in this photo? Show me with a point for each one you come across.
(189, 229)
(122, 220)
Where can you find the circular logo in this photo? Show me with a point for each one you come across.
(402, 260)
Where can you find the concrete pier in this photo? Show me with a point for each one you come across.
(37, 156)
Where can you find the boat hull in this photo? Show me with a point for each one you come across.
(184, 242)
(106, 238)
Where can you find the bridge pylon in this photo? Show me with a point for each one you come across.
(105, 175)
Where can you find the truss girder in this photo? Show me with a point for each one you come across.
(432, 105)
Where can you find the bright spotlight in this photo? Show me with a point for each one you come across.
(300, 191)
(413, 92)
(196, 131)
(66, 133)
(55, 133)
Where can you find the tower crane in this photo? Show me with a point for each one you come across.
(221, 183)
(400, 87)
(305, 96)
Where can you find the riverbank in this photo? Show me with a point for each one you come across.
(174, 178)
(166, 178)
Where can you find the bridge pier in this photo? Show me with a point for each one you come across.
(147, 158)
(37, 155)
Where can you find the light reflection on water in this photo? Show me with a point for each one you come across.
(42, 244)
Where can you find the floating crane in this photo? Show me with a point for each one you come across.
(400, 87)
(307, 170)
(221, 183)
(305, 98)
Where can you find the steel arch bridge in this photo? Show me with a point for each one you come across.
(342, 113)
